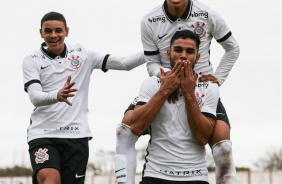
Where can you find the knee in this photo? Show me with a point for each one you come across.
(124, 134)
(223, 147)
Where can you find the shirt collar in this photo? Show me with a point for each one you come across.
(51, 55)
(186, 14)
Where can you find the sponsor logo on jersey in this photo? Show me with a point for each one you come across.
(44, 67)
(69, 130)
(160, 37)
(200, 14)
(157, 19)
(199, 29)
(41, 155)
(199, 99)
(203, 84)
(34, 56)
(75, 63)
(72, 50)
(183, 173)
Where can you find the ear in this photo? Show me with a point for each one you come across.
(197, 58)
(168, 54)
(40, 32)
(67, 31)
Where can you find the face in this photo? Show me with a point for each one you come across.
(54, 32)
(183, 50)
(177, 3)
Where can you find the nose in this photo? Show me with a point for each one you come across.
(53, 34)
(183, 56)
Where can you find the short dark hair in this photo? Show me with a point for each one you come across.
(186, 34)
(53, 16)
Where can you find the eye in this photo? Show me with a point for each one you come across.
(47, 30)
(59, 30)
(177, 49)
(190, 51)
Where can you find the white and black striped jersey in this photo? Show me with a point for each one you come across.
(158, 26)
(51, 72)
(172, 152)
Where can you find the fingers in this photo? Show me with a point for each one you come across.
(177, 67)
(162, 72)
(67, 91)
(206, 78)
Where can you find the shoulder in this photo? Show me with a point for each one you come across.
(75, 48)
(207, 86)
(153, 14)
(33, 57)
(152, 81)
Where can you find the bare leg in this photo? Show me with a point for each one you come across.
(48, 176)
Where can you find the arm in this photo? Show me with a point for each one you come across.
(124, 62)
(39, 98)
(143, 116)
(229, 58)
(151, 51)
(200, 125)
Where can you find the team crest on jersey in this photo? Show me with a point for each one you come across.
(199, 99)
(199, 29)
(134, 101)
(75, 63)
(41, 155)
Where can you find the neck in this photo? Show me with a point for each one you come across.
(177, 11)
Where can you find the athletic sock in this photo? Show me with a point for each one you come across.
(225, 172)
(125, 158)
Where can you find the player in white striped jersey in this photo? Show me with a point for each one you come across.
(179, 131)
(56, 78)
(159, 25)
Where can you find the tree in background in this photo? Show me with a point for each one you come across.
(16, 171)
(272, 161)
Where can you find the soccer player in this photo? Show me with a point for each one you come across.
(56, 78)
(179, 131)
(158, 26)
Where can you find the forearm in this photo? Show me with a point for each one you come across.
(125, 62)
(39, 98)
(200, 126)
(229, 58)
(143, 116)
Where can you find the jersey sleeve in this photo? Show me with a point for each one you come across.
(148, 89)
(151, 51)
(97, 58)
(224, 37)
(30, 71)
(125, 62)
(210, 101)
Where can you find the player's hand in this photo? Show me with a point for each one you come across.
(173, 97)
(170, 81)
(188, 79)
(209, 77)
(67, 91)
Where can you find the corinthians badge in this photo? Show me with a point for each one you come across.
(75, 63)
(41, 155)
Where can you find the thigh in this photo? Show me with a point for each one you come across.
(221, 113)
(48, 175)
(222, 126)
(76, 153)
(43, 155)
